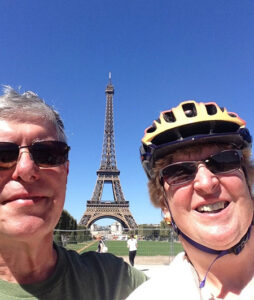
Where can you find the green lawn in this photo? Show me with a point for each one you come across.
(78, 246)
(145, 248)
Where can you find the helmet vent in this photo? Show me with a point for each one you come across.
(189, 110)
(222, 126)
(151, 128)
(231, 114)
(166, 137)
(194, 129)
(169, 117)
(211, 109)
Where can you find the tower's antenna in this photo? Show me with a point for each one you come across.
(109, 77)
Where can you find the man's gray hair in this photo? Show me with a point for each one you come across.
(28, 107)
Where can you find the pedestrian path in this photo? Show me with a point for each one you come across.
(151, 270)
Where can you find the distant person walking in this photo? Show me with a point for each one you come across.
(100, 245)
(102, 248)
(132, 245)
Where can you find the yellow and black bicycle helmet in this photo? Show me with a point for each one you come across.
(191, 122)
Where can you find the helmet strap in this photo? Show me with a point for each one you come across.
(235, 249)
(220, 253)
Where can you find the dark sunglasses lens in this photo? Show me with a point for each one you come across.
(49, 153)
(179, 173)
(224, 161)
(9, 153)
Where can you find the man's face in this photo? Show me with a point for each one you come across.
(31, 198)
(214, 210)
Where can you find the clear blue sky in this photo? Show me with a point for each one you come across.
(160, 52)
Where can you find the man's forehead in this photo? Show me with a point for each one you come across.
(7, 125)
(25, 117)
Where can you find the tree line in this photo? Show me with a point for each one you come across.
(76, 233)
(67, 222)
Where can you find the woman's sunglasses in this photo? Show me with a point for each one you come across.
(45, 154)
(180, 173)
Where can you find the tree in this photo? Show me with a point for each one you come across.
(83, 234)
(164, 230)
(148, 231)
(66, 222)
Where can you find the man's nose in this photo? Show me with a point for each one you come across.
(25, 169)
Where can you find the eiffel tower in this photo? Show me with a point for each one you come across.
(108, 173)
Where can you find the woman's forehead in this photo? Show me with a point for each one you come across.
(198, 152)
(194, 152)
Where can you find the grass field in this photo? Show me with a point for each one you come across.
(119, 248)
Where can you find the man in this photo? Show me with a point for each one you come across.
(33, 174)
(132, 245)
(197, 159)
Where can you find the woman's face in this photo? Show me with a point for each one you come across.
(214, 210)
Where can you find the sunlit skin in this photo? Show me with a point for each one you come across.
(31, 202)
(220, 230)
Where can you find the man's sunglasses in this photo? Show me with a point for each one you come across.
(45, 154)
(180, 173)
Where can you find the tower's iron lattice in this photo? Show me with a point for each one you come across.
(108, 173)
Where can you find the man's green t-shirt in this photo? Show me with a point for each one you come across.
(89, 276)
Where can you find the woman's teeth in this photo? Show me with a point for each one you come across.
(215, 207)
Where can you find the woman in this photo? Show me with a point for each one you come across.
(197, 159)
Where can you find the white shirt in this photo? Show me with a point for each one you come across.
(180, 282)
(132, 244)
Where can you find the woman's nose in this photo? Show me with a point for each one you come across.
(205, 181)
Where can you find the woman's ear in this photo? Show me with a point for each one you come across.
(167, 216)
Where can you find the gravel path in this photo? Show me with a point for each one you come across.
(150, 260)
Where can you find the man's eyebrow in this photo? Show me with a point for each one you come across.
(42, 140)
